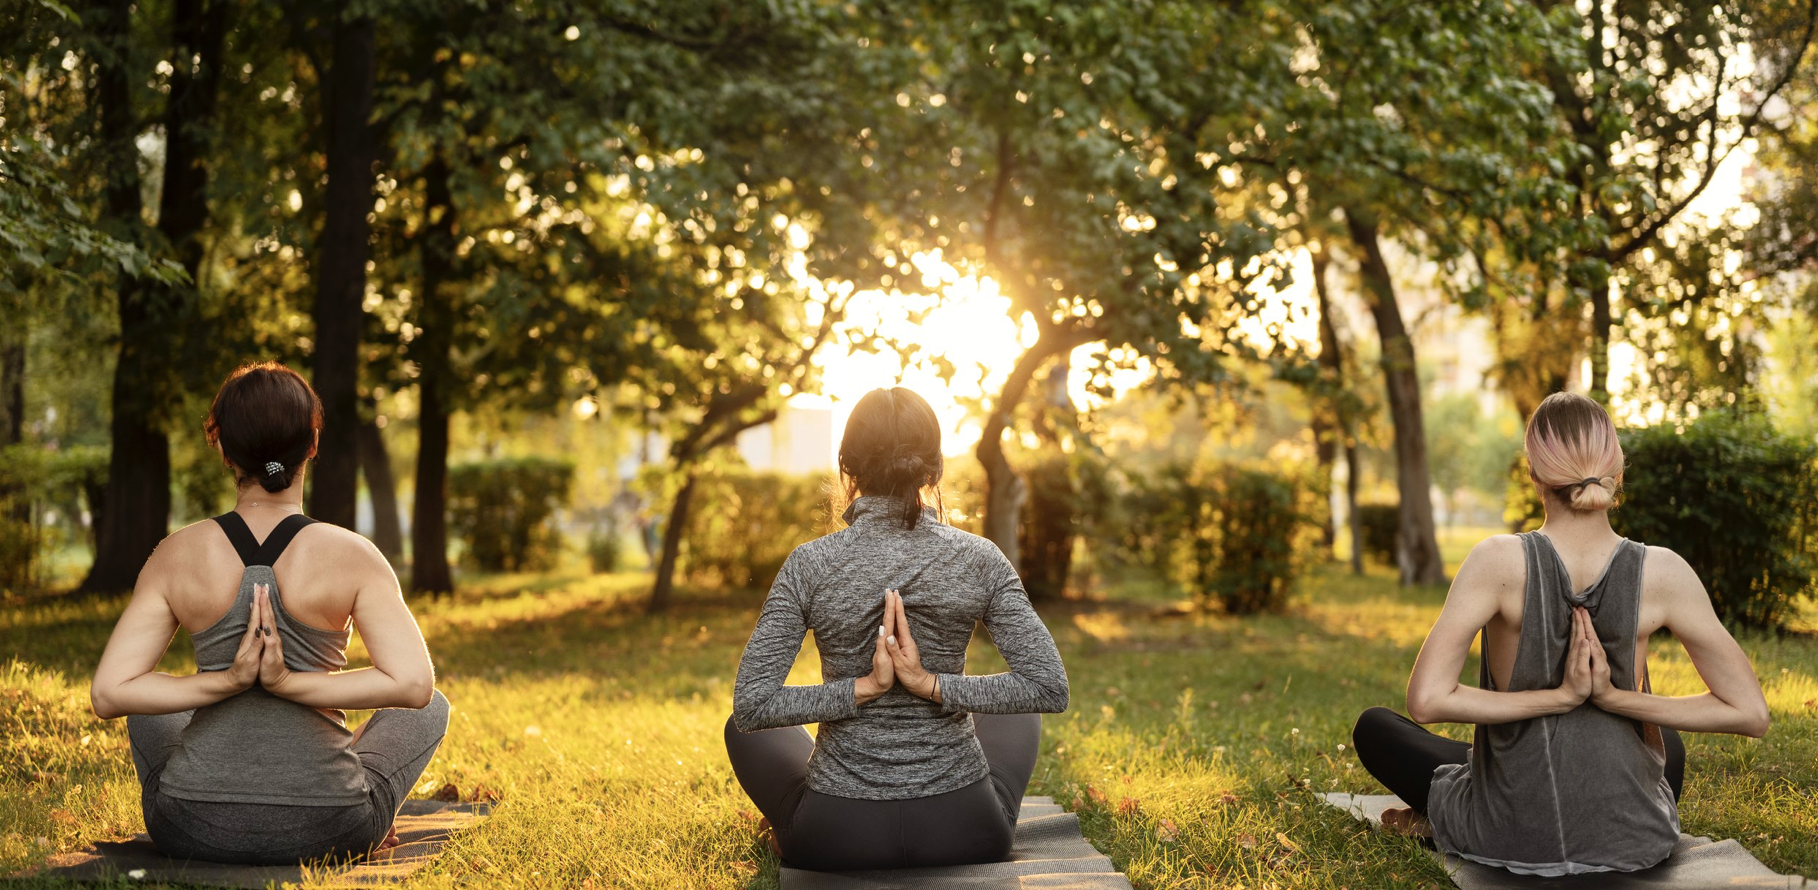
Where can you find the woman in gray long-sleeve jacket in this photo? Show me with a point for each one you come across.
(916, 763)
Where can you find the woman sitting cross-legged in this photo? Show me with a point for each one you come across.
(249, 759)
(916, 763)
(1575, 765)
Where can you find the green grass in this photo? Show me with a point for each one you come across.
(1191, 750)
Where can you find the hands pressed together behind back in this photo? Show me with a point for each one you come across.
(1587, 674)
(896, 659)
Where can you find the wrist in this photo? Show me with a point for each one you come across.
(1565, 699)
(865, 690)
(926, 685)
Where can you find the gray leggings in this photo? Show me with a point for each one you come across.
(394, 747)
(822, 832)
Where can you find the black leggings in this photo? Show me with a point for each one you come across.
(822, 832)
(1402, 754)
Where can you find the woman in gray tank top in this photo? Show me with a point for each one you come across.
(249, 760)
(1575, 766)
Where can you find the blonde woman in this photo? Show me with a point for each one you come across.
(1575, 765)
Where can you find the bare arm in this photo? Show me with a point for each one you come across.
(401, 675)
(1734, 703)
(1494, 568)
(127, 680)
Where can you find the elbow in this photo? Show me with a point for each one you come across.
(1057, 699)
(1422, 708)
(1755, 723)
(103, 704)
(418, 692)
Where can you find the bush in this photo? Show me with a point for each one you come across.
(1380, 525)
(501, 510)
(1228, 533)
(742, 525)
(41, 498)
(1738, 500)
(605, 547)
(1067, 494)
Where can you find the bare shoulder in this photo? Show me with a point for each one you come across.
(185, 547)
(1497, 556)
(1667, 574)
(327, 544)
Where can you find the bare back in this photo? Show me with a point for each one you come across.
(321, 572)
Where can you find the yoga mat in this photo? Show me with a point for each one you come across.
(1049, 854)
(1697, 863)
(423, 826)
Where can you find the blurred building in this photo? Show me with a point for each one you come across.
(799, 441)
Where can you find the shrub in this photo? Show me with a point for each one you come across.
(1067, 495)
(1380, 524)
(742, 525)
(41, 499)
(1233, 534)
(501, 510)
(605, 547)
(1737, 499)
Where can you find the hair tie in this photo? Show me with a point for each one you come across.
(1591, 480)
(273, 468)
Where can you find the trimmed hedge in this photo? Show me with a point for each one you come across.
(742, 525)
(502, 511)
(1229, 534)
(1738, 500)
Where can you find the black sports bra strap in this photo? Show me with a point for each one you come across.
(239, 535)
(280, 538)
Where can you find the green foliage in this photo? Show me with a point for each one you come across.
(501, 510)
(1229, 534)
(1068, 497)
(1380, 523)
(42, 494)
(744, 524)
(1738, 500)
(605, 547)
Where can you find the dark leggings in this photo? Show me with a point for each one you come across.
(1402, 754)
(395, 746)
(822, 832)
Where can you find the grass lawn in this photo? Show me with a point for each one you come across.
(1191, 750)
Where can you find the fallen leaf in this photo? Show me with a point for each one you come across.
(447, 792)
(1096, 796)
(1246, 840)
(1287, 842)
(1129, 806)
(1166, 830)
(1227, 798)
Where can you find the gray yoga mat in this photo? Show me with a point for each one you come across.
(1049, 854)
(1697, 863)
(423, 826)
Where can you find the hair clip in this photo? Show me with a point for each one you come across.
(273, 468)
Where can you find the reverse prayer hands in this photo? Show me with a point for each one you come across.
(883, 669)
(904, 656)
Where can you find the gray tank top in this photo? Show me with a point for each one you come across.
(1584, 791)
(256, 747)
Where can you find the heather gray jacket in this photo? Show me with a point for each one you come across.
(898, 746)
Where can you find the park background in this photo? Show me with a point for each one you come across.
(1233, 314)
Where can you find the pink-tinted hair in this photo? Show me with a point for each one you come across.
(1574, 453)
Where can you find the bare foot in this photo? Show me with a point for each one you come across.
(391, 840)
(1404, 821)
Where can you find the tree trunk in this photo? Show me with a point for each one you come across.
(1417, 545)
(1328, 427)
(138, 472)
(375, 465)
(1005, 491)
(1600, 340)
(663, 590)
(341, 267)
(1050, 519)
(429, 570)
(12, 384)
(1352, 474)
